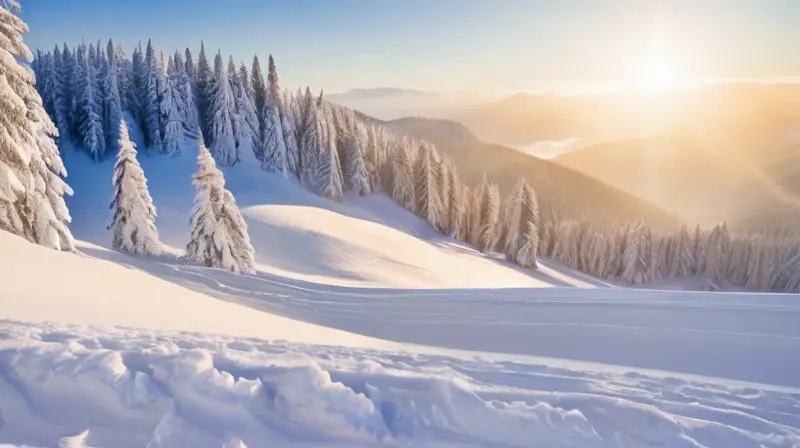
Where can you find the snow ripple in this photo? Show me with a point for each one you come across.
(128, 388)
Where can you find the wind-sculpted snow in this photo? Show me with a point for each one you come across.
(134, 388)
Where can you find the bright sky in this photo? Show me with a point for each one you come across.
(482, 45)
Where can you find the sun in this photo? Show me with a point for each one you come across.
(657, 75)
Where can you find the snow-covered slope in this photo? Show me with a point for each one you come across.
(336, 343)
(366, 241)
(40, 284)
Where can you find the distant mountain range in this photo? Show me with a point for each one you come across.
(727, 152)
(560, 190)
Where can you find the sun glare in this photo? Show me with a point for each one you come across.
(657, 75)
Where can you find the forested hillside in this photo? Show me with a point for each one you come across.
(519, 207)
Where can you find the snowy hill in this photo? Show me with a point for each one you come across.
(333, 343)
(365, 241)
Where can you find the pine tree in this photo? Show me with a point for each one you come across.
(456, 214)
(355, 172)
(204, 80)
(636, 257)
(136, 94)
(443, 182)
(113, 99)
(403, 189)
(89, 111)
(188, 64)
(290, 140)
(259, 89)
(31, 188)
(221, 113)
(171, 109)
(152, 105)
(714, 254)
(183, 86)
(523, 231)
(425, 190)
(62, 97)
(310, 132)
(46, 80)
(286, 120)
(683, 260)
(699, 248)
(246, 128)
(134, 215)
(328, 177)
(566, 249)
(218, 235)
(272, 150)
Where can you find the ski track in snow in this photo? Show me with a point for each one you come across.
(130, 388)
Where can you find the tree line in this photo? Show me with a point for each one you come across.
(333, 151)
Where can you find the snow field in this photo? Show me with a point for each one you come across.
(131, 388)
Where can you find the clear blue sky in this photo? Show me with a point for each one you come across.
(488, 45)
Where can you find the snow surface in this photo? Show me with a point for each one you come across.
(363, 327)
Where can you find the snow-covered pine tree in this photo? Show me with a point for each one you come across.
(89, 110)
(246, 128)
(636, 257)
(31, 188)
(171, 108)
(566, 249)
(659, 248)
(738, 261)
(188, 65)
(455, 226)
(683, 259)
(113, 99)
(523, 231)
(443, 183)
(272, 146)
(501, 229)
(328, 177)
(487, 215)
(133, 222)
(599, 256)
(713, 274)
(204, 78)
(791, 271)
(123, 69)
(259, 88)
(46, 80)
(136, 94)
(151, 104)
(699, 247)
(355, 171)
(221, 113)
(290, 139)
(62, 97)
(183, 86)
(476, 208)
(218, 236)
(310, 136)
(426, 191)
(403, 189)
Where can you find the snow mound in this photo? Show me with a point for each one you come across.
(364, 241)
(40, 284)
(134, 389)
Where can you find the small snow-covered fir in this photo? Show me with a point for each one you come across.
(133, 222)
